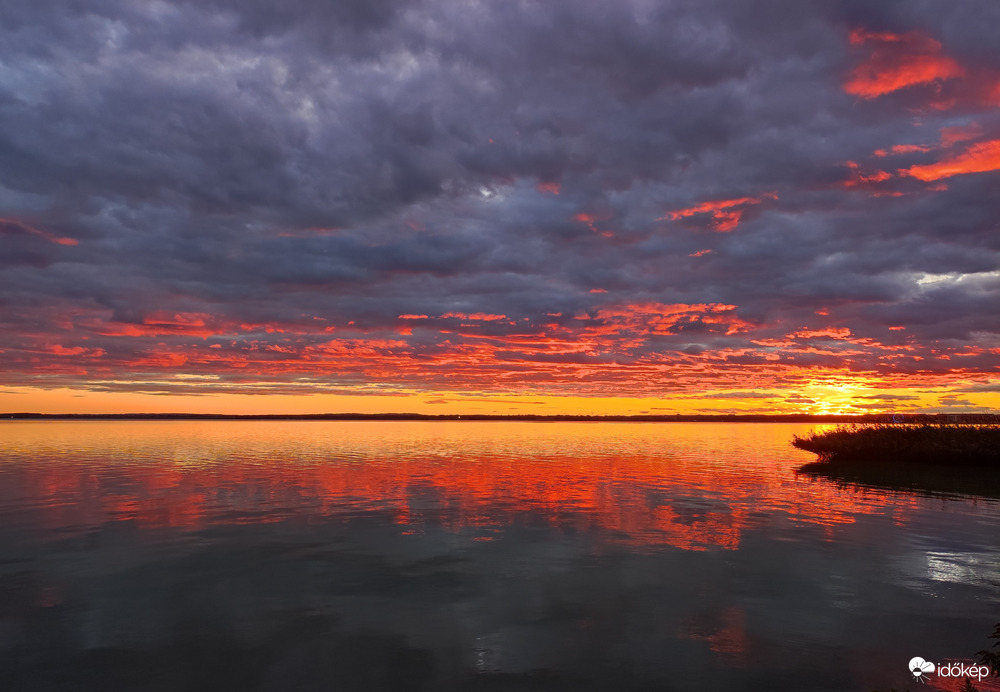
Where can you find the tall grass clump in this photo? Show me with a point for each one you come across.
(927, 443)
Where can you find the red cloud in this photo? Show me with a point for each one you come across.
(660, 318)
(866, 181)
(829, 332)
(726, 213)
(157, 324)
(902, 149)
(623, 349)
(61, 350)
(591, 220)
(954, 135)
(978, 158)
(898, 61)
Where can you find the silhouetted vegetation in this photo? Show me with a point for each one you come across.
(992, 658)
(986, 657)
(926, 443)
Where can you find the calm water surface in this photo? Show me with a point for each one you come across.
(479, 556)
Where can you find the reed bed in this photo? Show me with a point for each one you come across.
(923, 443)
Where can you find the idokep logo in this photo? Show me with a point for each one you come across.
(920, 669)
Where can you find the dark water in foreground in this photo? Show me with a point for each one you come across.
(480, 556)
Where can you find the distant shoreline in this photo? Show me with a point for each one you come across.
(704, 418)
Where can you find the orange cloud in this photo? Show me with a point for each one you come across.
(60, 350)
(898, 61)
(155, 325)
(548, 188)
(859, 180)
(978, 158)
(902, 149)
(953, 135)
(726, 213)
(660, 318)
(860, 36)
(829, 332)
(181, 320)
(622, 348)
(161, 361)
(13, 226)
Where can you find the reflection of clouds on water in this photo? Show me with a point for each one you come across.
(639, 563)
(724, 631)
(696, 487)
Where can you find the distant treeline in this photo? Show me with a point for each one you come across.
(937, 419)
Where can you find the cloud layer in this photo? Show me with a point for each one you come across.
(580, 198)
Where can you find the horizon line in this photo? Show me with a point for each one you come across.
(407, 416)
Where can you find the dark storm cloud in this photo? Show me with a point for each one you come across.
(272, 175)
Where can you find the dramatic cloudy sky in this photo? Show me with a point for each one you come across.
(499, 206)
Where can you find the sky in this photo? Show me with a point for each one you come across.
(306, 206)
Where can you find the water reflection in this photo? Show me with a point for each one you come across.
(904, 476)
(464, 555)
(679, 486)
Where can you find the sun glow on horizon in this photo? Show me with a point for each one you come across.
(818, 398)
(563, 241)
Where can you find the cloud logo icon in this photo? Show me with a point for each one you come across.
(919, 667)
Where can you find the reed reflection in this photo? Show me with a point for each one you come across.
(908, 477)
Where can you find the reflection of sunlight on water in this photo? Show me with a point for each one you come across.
(963, 568)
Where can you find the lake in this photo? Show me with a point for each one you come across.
(303, 555)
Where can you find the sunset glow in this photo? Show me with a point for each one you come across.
(491, 217)
(591, 494)
(898, 61)
(426, 344)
